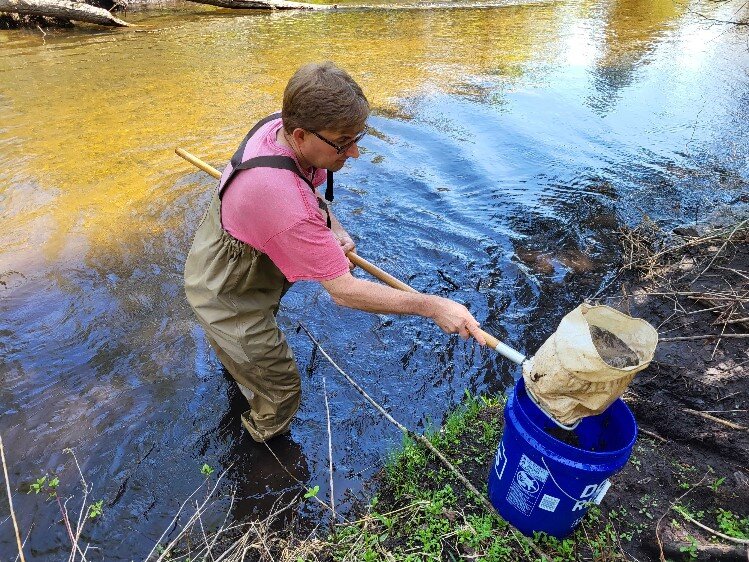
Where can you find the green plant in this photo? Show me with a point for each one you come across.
(50, 485)
(716, 483)
(731, 525)
(312, 492)
(96, 509)
(687, 513)
(388, 522)
(38, 486)
(162, 552)
(45, 484)
(206, 469)
(563, 550)
(691, 550)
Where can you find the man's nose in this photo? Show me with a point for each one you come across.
(352, 151)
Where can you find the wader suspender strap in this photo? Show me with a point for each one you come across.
(329, 187)
(280, 162)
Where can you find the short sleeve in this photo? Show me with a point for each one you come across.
(307, 251)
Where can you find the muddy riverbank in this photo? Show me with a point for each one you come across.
(692, 403)
(684, 495)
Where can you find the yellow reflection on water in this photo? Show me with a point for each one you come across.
(89, 119)
(633, 25)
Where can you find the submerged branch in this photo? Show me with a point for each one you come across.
(62, 9)
(265, 5)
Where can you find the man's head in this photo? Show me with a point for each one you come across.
(324, 110)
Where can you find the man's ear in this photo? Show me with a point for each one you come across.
(299, 134)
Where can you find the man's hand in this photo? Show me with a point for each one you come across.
(454, 318)
(347, 244)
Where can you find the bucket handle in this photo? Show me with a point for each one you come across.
(548, 415)
(543, 460)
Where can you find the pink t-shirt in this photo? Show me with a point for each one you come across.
(276, 212)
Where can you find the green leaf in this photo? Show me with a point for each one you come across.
(206, 469)
(37, 486)
(311, 492)
(716, 484)
(96, 509)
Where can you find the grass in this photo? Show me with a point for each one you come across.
(422, 513)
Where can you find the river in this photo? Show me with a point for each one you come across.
(510, 141)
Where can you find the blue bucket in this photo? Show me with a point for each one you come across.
(539, 483)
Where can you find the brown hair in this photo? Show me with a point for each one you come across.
(321, 96)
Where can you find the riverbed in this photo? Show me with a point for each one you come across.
(509, 142)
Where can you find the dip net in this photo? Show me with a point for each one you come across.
(588, 362)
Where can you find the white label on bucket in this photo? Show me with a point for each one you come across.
(526, 485)
(602, 492)
(548, 503)
(500, 460)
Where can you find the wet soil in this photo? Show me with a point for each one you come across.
(682, 454)
(612, 349)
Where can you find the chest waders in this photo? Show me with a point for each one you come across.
(235, 291)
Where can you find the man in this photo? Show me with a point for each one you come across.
(267, 227)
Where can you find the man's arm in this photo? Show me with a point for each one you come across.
(449, 315)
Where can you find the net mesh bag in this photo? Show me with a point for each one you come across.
(588, 362)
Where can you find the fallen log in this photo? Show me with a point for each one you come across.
(679, 550)
(264, 5)
(63, 9)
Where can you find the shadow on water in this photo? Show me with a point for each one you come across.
(509, 145)
(262, 475)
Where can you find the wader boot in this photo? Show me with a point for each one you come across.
(235, 291)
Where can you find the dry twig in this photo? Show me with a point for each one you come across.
(725, 243)
(652, 434)
(716, 420)
(712, 531)
(645, 248)
(10, 503)
(704, 337)
(330, 450)
(82, 513)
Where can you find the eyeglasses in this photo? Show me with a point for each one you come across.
(340, 149)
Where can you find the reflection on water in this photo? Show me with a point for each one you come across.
(510, 142)
(631, 33)
(122, 100)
